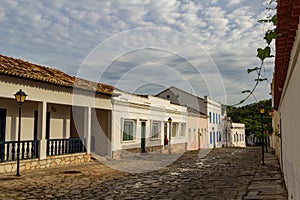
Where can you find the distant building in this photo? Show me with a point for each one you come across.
(238, 137)
(140, 124)
(252, 140)
(206, 106)
(196, 130)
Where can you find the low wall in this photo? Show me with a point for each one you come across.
(128, 152)
(50, 161)
(180, 147)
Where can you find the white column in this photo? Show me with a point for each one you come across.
(42, 113)
(87, 128)
(109, 139)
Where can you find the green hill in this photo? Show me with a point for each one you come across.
(251, 117)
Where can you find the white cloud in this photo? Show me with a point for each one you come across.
(233, 2)
(62, 33)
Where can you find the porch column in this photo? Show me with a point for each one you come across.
(42, 112)
(87, 128)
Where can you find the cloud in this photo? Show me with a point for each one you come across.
(62, 34)
(233, 2)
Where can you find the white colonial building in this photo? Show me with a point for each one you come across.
(140, 123)
(237, 135)
(58, 117)
(211, 129)
(215, 125)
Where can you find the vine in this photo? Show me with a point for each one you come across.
(262, 54)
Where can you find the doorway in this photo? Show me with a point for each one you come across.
(199, 136)
(2, 132)
(143, 137)
(2, 124)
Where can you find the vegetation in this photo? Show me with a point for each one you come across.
(251, 117)
(263, 53)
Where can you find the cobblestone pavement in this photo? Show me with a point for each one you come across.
(227, 173)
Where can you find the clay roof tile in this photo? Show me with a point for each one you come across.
(23, 69)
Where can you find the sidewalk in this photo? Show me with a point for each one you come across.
(267, 182)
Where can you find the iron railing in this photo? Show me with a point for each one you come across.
(29, 149)
(65, 146)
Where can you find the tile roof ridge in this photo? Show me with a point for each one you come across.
(23, 69)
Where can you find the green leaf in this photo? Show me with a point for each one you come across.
(246, 91)
(270, 35)
(261, 79)
(274, 20)
(253, 69)
(264, 53)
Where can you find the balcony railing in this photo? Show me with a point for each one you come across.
(28, 150)
(65, 146)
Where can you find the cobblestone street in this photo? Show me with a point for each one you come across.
(227, 173)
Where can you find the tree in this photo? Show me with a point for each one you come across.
(251, 117)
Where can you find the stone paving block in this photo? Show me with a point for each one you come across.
(265, 197)
(227, 173)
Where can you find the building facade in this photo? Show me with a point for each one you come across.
(215, 125)
(196, 130)
(56, 118)
(212, 135)
(238, 137)
(286, 95)
(140, 124)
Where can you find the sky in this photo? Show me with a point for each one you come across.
(144, 46)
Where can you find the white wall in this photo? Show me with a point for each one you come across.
(40, 92)
(12, 119)
(196, 132)
(289, 110)
(238, 137)
(144, 109)
(214, 128)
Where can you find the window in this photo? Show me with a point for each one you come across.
(166, 128)
(220, 136)
(155, 131)
(213, 117)
(219, 119)
(210, 137)
(128, 130)
(209, 117)
(182, 131)
(174, 129)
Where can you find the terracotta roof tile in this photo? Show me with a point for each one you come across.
(22, 69)
(288, 12)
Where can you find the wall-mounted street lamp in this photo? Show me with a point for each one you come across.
(262, 111)
(20, 97)
(170, 133)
